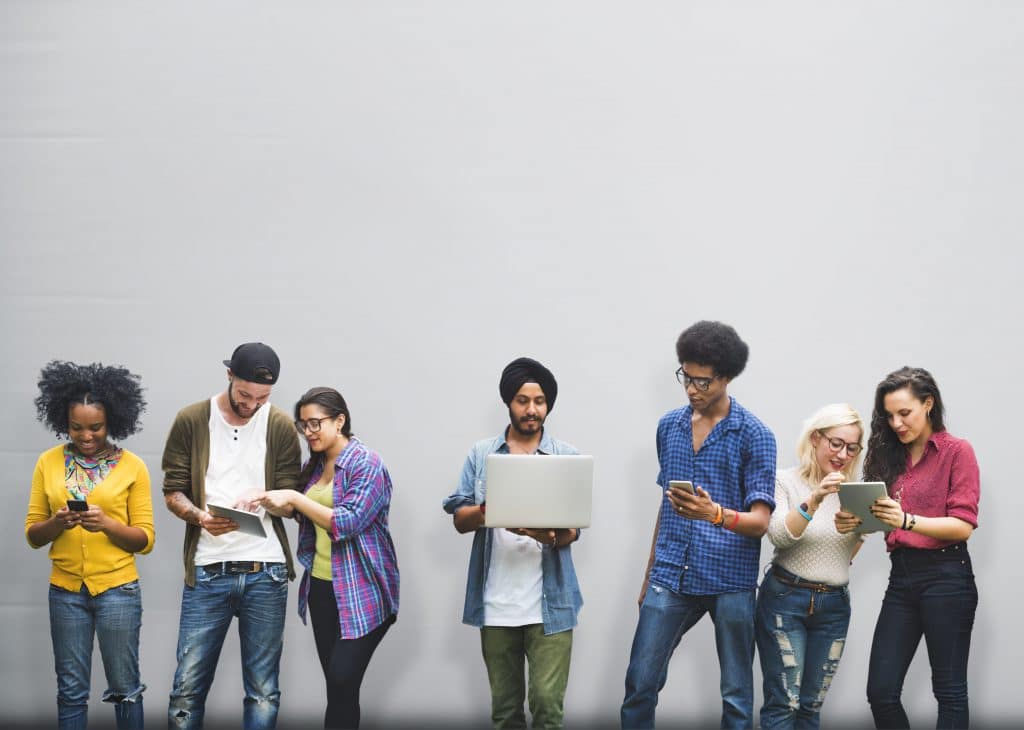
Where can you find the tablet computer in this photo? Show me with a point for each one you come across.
(539, 491)
(857, 498)
(251, 523)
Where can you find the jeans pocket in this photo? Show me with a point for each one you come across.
(205, 576)
(278, 573)
(130, 588)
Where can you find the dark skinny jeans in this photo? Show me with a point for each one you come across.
(931, 593)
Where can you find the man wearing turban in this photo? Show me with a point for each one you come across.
(521, 591)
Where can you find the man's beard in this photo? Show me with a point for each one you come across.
(237, 408)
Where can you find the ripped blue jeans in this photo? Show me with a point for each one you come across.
(800, 634)
(114, 618)
(259, 601)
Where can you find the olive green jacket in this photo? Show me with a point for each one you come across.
(187, 457)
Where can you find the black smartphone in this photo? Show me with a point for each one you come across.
(78, 505)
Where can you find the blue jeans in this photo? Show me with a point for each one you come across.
(259, 601)
(931, 593)
(115, 617)
(664, 617)
(801, 634)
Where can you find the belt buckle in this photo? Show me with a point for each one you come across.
(238, 567)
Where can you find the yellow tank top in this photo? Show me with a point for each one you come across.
(322, 559)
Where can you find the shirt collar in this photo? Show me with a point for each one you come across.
(352, 441)
(938, 439)
(546, 445)
(732, 422)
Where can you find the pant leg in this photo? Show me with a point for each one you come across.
(206, 613)
(548, 674)
(733, 614)
(504, 653)
(118, 621)
(781, 635)
(948, 604)
(348, 664)
(826, 640)
(71, 630)
(898, 632)
(664, 617)
(261, 612)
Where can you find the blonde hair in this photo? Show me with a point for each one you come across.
(826, 417)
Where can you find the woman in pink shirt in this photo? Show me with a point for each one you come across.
(933, 485)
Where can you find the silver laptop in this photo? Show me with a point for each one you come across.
(544, 490)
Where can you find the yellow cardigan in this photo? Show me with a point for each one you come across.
(80, 556)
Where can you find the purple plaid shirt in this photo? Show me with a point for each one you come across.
(364, 569)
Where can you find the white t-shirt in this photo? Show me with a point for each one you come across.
(237, 467)
(514, 581)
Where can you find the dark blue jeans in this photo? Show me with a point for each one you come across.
(930, 593)
(664, 617)
(801, 634)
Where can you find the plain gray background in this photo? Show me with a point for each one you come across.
(402, 197)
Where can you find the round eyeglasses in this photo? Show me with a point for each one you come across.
(836, 445)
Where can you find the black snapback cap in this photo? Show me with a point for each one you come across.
(255, 362)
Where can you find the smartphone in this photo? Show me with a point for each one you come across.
(78, 505)
(685, 486)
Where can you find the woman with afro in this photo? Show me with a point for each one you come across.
(91, 503)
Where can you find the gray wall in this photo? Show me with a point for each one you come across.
(402, 197)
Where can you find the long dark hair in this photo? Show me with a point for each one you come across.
(63, 384)
(887, 457)
(334, 405)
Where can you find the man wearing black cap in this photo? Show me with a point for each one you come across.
(222, 451)
(521, 590)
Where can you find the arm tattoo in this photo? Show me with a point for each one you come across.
(183, 508)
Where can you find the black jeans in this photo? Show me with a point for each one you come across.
(931, 592)
(344, 661)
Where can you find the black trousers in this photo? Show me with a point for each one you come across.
(932, 594)
(344, 661)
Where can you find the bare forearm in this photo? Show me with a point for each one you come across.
(749, 524)
(182, 507)
(942, 528)
(469, 518)
(128, 538)
(314, 511)
(45, 532)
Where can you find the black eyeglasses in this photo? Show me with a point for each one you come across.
(313, 424)
(837, 445)
(701, 384)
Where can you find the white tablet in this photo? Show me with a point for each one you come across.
(857, 498)
(251, 523)
(538, 491)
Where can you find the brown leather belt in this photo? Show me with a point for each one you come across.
(788, 579)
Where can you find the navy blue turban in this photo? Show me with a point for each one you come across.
(524, 370)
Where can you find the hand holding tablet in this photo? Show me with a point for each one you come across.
(251, 523)
(857, 498)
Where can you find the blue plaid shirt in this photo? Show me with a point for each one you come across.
(736, 466)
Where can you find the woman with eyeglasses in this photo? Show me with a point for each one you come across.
(91, 503)
(932, 508)
(351, 580)
(803, 605)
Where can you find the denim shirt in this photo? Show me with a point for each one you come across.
(560, 592)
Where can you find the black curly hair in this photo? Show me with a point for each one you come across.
(715, 345)
(886, 457)
(63, 384)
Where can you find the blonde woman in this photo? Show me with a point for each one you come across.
(803, 605)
